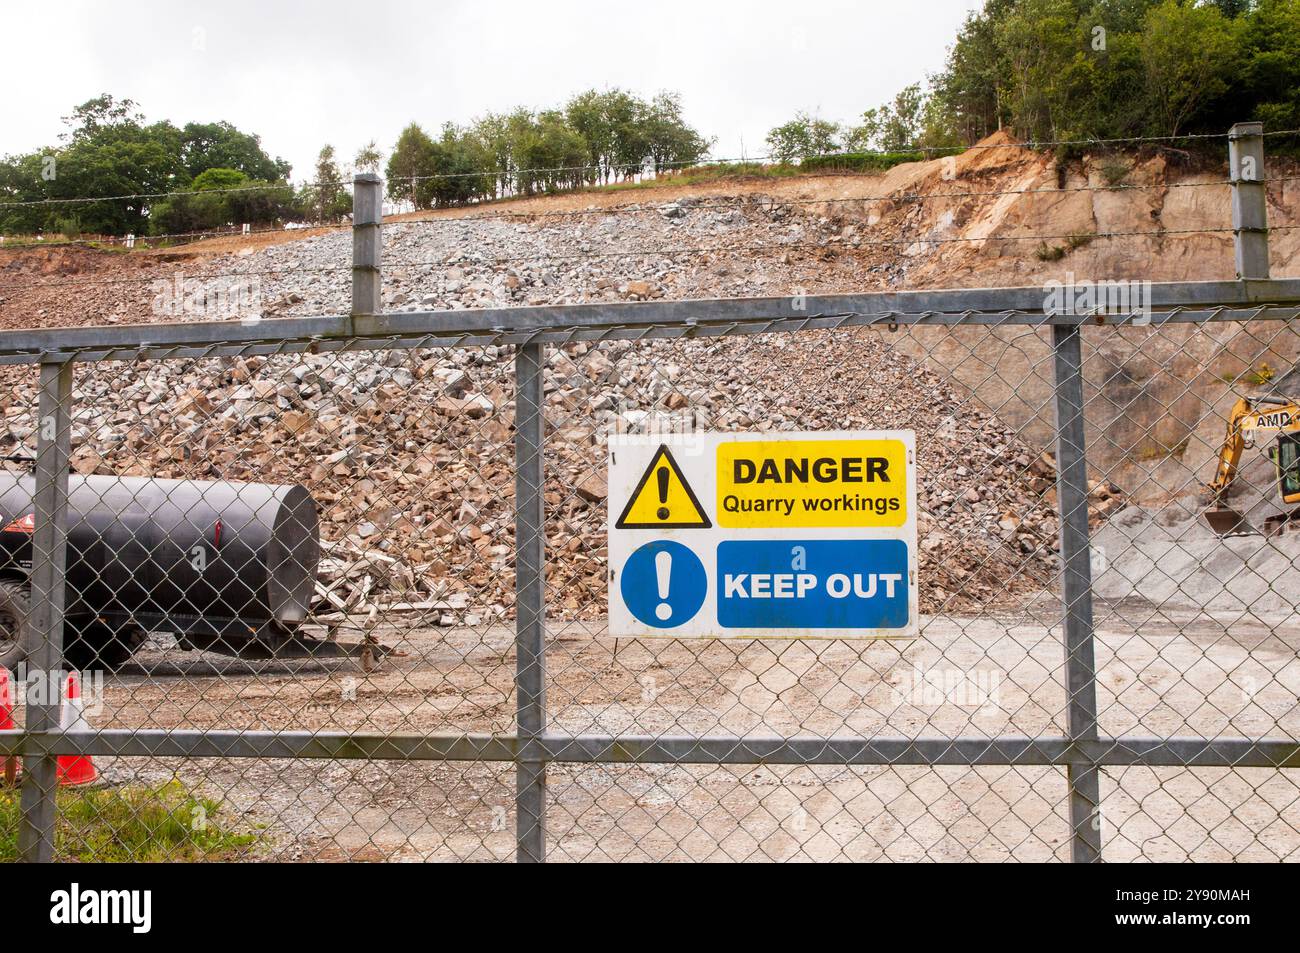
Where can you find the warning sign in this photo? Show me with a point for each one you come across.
(812, 483)
(663, 499)
(801, 535)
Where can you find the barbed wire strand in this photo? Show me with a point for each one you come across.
(268, 187)
(168, 236)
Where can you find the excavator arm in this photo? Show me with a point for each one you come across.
(1233, 446)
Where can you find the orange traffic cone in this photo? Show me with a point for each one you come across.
(11, 766)
(74, 768)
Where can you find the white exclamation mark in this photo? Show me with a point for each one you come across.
(663, 573)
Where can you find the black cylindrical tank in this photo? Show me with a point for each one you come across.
(183, 547)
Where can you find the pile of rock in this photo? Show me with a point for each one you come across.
(706, 247)
(409, 453)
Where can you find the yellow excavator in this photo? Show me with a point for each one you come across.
(1251, 421)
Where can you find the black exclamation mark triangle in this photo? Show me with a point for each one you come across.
(666, 503)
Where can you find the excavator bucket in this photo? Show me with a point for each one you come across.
(1228, 522)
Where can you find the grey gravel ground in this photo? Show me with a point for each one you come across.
(986, 676)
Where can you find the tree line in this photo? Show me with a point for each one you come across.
(596, 138)
(110, 150)
(1051, 70)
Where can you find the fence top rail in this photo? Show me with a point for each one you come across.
(1160, 303)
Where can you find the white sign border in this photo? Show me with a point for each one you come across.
(696, 455)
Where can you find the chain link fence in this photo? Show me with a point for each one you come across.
(336, 589)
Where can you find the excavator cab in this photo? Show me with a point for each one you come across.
(1286, 457)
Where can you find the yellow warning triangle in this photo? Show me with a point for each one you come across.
(663, 499)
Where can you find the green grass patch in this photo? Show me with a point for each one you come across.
(1256, 376)
(851, 162)
(47, 240)
(131, 824)
(1114, 172)
(703, 175)
(869, 161)
(1046, 252)
(1260, 375)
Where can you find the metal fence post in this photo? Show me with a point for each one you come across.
(1076, 562)
(367, 243)
(1249, 198)
(530, 604)
(45, 635)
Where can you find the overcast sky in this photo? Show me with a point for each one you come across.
(302, 74)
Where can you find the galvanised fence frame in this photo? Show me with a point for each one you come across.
(1081, 750)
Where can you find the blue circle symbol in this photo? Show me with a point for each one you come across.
(663, 584)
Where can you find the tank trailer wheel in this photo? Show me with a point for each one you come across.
(15, 607)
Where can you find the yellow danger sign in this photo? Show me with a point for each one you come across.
(663, 499)
(812, 483)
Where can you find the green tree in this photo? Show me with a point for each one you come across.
(588, 114)
(1117, 68)
(110, 151)
(219, 145)
(222, 197)
(325, 198)
(971, 88)
(1233, 8)
(903, 126)
(866, 135)
(21, 181)
(611, 124)
(624, 133)
(1037, 39)
(895, 127)
(802, 137)
(493, 133)
(464, 165)
(103, 114)
(549, 154)
(210, 208)
(1269, 87)
(413, 159)
(670, 141)
(368, 158)
(1189, 54)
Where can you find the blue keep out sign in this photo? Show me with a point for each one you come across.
(813, 584)
(663, 584)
